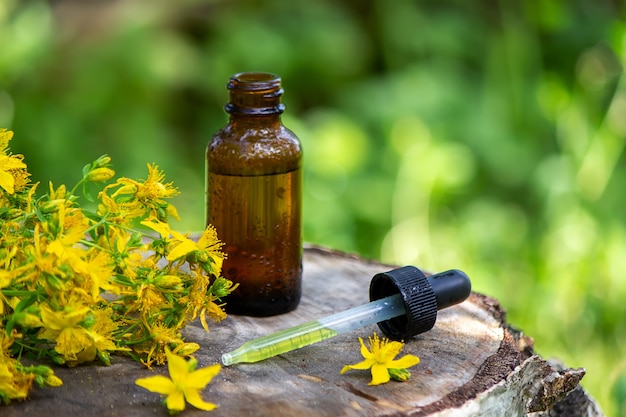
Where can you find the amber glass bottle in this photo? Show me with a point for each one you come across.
(254, 195)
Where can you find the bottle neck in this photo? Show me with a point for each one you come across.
(243, 120)
(255, 96)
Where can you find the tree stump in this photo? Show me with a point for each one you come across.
(472, 364)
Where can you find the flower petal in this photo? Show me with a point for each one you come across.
(182, 249)
(7, 182)
(193, 397)
(380, 375)
(366, 364)
(5, 137)
(175, 401)
(200, 378)
(161, 228)
(364, 350)
(404, 362)
(177, 367)
(158, 384)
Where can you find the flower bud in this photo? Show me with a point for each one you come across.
(28, 320)
(103, 161)
(51, 206)
(47, 376)
(99, 174)
(12, 214)
(53, 381)
(59, 193)
(167, 282)
(399, 374)
(187, 349)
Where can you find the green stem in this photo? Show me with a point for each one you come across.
(16, 293)
(78, 184)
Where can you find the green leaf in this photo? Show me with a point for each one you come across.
(87, 193)
(86, 169)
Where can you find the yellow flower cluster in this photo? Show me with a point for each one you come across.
(76, 285)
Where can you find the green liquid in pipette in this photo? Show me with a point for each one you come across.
(279, 342)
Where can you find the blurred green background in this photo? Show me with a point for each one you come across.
(486, 135)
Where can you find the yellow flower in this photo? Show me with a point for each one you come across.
(100, 266)
(208, 247)
(380, 359)
(161, 336)
(13, 384)
(135, 197)
(102, 333)
(184, 383)
(127, 260)
(72, 340)
(214, 312)
(16, 380)
(12, 167)
(150, 298)
(153, 188)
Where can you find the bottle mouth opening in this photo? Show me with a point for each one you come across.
(255, 94)
(255, 81)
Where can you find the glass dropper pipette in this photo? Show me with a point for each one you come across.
(404, 303)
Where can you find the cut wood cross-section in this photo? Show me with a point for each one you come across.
(472, 364)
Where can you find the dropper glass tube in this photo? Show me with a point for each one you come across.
(316, 331)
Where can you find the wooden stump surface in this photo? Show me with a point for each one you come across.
(472, 364)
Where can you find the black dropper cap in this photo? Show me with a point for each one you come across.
(422, 296)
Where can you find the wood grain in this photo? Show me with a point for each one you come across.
(472, 364)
